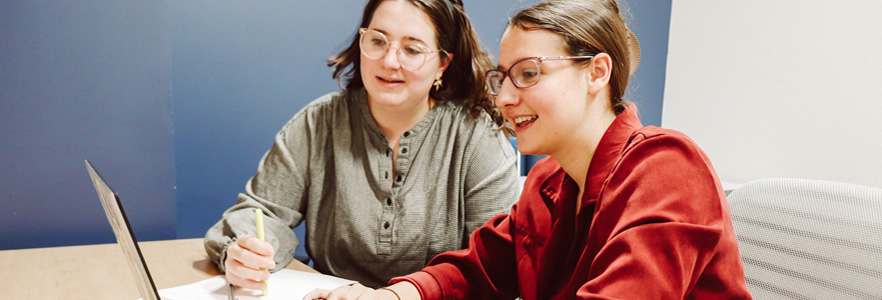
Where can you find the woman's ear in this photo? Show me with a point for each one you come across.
(599, 71)
(444, 64)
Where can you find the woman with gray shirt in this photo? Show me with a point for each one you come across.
(401, 165)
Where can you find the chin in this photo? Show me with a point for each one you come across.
(388, 99)
(530, 152)
(526, 149)
(379, 96)
(532, 148)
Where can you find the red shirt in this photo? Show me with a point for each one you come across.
(653, 224)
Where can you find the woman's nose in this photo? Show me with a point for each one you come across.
(508, 94)
(390, 60)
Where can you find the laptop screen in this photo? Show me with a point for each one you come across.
(124, 235)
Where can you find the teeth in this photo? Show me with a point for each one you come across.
(524, 118)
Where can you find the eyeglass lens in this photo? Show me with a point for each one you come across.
(523, 74)
(375, 45)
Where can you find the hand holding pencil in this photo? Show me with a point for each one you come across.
(248, 259)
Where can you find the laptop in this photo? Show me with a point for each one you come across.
(124, 235)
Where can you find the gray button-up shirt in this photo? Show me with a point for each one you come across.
(331, 167)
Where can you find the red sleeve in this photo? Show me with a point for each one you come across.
(657, 223)
(484, 270)
(487, 269)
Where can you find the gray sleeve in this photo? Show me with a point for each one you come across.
(492, 178)
(278, 188)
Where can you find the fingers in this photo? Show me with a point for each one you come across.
(252, 252)
(244, 276)
(244, 261)
(349, 292)
(255, 245)
(317, 294)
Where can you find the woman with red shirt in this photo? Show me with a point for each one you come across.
(618, 210)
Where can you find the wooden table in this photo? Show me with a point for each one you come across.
(101, 271)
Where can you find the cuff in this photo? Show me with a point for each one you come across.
(440, 281)
(221, 263)
(425, 283)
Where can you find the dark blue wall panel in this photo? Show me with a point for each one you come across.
(84, 80)
(241, 69)
(650, 21)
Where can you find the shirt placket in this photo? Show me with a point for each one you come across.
(387, 177)
(387, 220)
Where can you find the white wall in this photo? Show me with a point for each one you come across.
(781, 88)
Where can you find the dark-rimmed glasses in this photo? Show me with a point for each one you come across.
(412, 54)
(523, 73)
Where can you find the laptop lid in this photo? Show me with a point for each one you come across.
(124, 235)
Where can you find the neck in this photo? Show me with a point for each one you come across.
(394, 121)
(575, 157)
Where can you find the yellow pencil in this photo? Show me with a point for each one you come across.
(258, 219)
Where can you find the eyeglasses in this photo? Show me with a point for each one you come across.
(524, 73)
(411, 54)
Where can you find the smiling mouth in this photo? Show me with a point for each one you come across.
(386, 80)
(525, 120)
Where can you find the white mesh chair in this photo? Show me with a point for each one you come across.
(809, 239)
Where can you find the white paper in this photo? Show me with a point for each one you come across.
(285, 284)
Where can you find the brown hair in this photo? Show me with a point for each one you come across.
(587, 28)
(464, 77)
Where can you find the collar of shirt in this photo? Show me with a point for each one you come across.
(611, 145)
(360, 100)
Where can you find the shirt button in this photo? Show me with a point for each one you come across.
(403, 150)
(406, 133)
(387, 175)
(386, 226)
(398, 179)
(389, 201)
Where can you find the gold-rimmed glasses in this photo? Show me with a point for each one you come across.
(412, 54)
(523, 73)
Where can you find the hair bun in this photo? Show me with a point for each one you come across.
(634, 51)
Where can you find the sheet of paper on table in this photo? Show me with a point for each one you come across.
(284, 284)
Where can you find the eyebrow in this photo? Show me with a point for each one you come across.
(499, 67)
(409, 38)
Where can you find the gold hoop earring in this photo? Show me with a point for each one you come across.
(437, 84)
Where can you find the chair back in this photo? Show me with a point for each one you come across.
(809, 239)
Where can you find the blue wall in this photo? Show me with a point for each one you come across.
(241, 70)
(650, 21)
(84, 80)
(194, 92)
